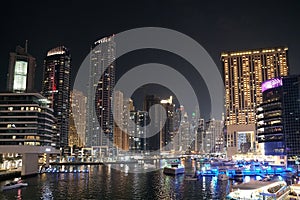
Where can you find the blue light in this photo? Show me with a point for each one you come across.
(290, 169)
(279, 169)
(247, 179)
(269, 168)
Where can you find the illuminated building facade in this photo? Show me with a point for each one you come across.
(138, 130)
(167, 129)
(73, 136)
(56, 88)
(185, 133)
(118, 118)
(213, 136)
(77, 125)
(21, 71)
(243, 74)
(26, 119)
(127, 108)
(178, 114)
(99, 131)
(121, 120)
(153, 141)
(199, 142)
(278, 117)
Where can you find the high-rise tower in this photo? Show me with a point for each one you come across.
(153, 142)
(244, 72)
(278, 116)
(56, 88)
(100, 90)
(77, 118)
(21, 71)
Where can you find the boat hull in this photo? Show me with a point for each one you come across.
(173, 171)
(19, 185)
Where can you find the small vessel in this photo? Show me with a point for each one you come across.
(295, 191)
(260, 190)
(174, 169)
(16, 183)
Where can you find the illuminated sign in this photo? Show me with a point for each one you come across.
(272, 83)
(20, 76)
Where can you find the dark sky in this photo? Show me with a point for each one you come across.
(217, 26)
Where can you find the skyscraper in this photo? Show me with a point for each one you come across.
(78, 117)
(178, 116)
(167, 129)
(278, 116)
(199, 142)
(185, 133)
(244, 72)
(153, 142)
(127, 108)
(56, 88)
(213, 136)
(121, 120)
(100, 123)
(138, 130)
(21, 71)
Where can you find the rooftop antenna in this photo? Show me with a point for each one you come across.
(26, 46)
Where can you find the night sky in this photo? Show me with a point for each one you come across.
(217, 26)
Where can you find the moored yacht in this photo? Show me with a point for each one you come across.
(174, 169)
(260, 190)
(295, 191)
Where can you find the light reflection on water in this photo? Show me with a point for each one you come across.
(104, 182)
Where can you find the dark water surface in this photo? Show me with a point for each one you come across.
(103, 182)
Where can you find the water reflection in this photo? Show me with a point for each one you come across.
(104, 182)
(46, 193)
(19, 197)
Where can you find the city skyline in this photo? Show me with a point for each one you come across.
(159, 99)
(215, 28)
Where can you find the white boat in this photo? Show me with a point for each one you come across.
(174, 169)
(260, 190)
(16, 183)
(295, 191)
